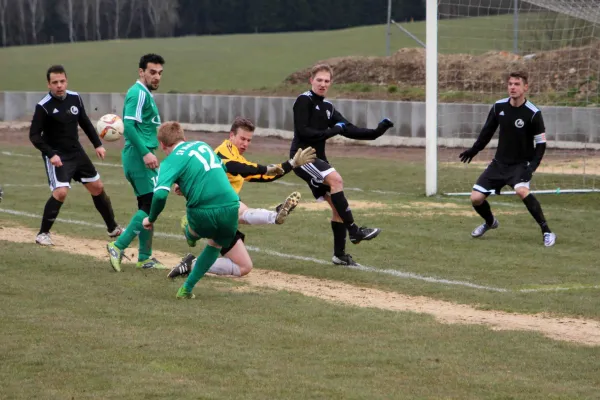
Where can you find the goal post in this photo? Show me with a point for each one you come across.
(471, 47)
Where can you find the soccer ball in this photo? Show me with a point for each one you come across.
(110, 127)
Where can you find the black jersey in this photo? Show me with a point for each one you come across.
(519, 126)
(313, 119)
(54, 128)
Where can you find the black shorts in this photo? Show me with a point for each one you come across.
(238, 236)
(497, 175)
(314, 174)
(77, 167)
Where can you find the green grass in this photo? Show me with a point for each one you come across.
(417, 237)
(74, 329)
(232, 62)
(71, 329)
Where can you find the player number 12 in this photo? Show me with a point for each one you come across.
(204, 149)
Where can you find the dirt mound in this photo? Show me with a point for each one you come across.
(562, 70)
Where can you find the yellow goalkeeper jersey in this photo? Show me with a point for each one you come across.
(240, 170)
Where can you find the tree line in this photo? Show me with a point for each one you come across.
(24, 22)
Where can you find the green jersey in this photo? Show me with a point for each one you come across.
(140, 107)
(200, 175)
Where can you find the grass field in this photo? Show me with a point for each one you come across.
(229, 62)
(75, 329)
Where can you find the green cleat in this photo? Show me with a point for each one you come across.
(184, 227)
(116, 255)
(151, 263)
(182, 293)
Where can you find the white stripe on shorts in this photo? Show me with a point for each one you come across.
(317, 176)
(51, 170)
(93, 179)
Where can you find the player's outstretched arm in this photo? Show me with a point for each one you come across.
(486, 134)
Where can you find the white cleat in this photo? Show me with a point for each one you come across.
(549, 239)
(483, 228)
(43, 239)
(116, 232)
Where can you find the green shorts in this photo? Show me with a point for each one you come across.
(141, 178)
(219, 224)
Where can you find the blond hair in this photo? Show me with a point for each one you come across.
(244, 123)
(319, 68)
(170, 132)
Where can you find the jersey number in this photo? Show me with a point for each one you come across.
(205, 149)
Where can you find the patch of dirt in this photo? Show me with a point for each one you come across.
(551, 71)
(582, 331)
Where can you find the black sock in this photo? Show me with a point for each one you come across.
(535, 209)
(104, 207)
(343, 209)
(50, 213)
(485, 211)
(339, 238)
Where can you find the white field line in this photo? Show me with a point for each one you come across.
(363, 268)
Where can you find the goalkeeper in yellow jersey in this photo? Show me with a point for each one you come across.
(236, 261)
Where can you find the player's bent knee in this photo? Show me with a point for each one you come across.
(477, 198)
(245, 268)
(522, 192)
(95, 188)
(335, 181)
(60, 193)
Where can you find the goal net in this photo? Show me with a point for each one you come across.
(478, 42)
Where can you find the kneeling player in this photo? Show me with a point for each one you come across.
(236, 261)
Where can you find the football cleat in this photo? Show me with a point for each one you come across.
(116, 232)
(116, 255)
(285, 208)
(151, 263)
(345, 259)
(43, 239)
(549, 239)
(182, 293)
(483, 228)
(183, 268)
(364, 233)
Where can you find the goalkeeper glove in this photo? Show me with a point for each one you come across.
(384, 125)
(274, 170)
(467, 155)
(302, 157)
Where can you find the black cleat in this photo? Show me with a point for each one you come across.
(364, 233)
(183, 268)
(345, 259)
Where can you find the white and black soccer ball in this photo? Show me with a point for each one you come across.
(110, 127)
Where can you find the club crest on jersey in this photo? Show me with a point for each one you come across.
(328, 114)
(519, 123)
(74, 110)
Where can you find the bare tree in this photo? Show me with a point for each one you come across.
(3, 27)
(36, 18)
(163, 16)
(133, 12)
(84, 11)
(117, 16)
(97, 4)
(22, 27)
(65, 12)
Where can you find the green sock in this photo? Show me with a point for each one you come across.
(133, 229)
(204, 261)
(145, 251)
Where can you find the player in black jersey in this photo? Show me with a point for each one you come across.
(54, 131)
(315, 121)
(521, 125)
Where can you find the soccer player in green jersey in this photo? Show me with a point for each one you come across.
(212, 204)
(140, 165)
